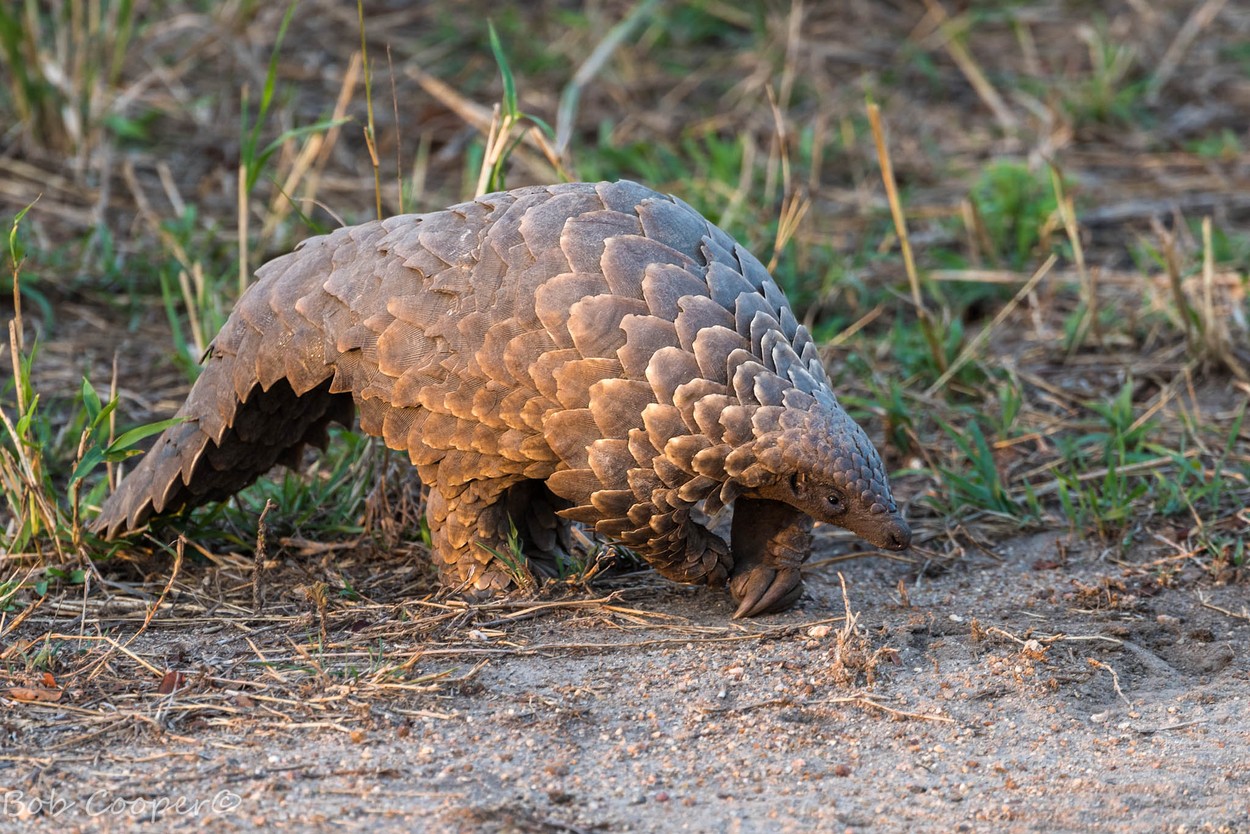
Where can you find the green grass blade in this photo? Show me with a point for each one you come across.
(509, 83)
(91, 402)
(293, 133)
(92, 458)
(130, 438)
(251, 137)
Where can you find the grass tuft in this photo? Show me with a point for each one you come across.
(46, 506)
(63, 63)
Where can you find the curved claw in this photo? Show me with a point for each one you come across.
(764, 590)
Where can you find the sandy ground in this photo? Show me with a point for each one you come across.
(1037, 688)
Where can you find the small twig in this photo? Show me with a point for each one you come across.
(1172, 265)
(972, 347)
(113, 645)
(1214, 324)
(173, 576)
(817, 564)
(309, 163)
(8, 628)
(868, 703)
(497, 139)
(1115, 679)
(847, 333)
(1243, 615)
(242, 211)
(110, 468)
(1067, 214)
(462, 650)
(370, 141)
(853, 700)
(972, 71)
(325, 143)
(399, 156)
(258, 560)
(741, 708)
(321, 602)
(480, 117)
(1201, 18)
(1054, 638)
(1146, 731)
(852, 619)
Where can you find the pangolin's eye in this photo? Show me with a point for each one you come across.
(834, 500)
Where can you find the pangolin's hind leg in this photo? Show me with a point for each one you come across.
(660, 528)
(771, 540)
(475, 526)
(470, 528)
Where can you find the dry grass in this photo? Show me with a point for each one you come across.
(116, 658)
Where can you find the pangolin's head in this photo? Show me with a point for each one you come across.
(821, 462)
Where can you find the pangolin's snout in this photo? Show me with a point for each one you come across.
(895, 535)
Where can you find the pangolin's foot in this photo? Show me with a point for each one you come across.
(770, 541)
(764, 590)
(482, 579)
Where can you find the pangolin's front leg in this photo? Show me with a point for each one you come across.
(770, 541)
(694, 555)
(661, 530)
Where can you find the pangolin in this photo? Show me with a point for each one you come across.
(593, 353)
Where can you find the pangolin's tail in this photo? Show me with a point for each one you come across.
(268, 388)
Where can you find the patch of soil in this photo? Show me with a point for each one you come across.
(1006, 695)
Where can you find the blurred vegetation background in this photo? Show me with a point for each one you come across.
(1070, 354)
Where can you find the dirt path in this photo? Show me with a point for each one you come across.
(1007, 696)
